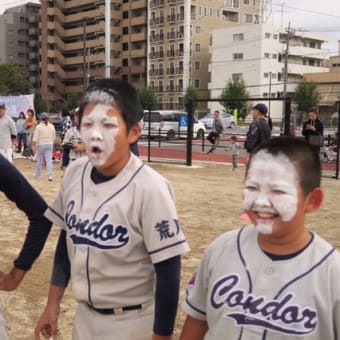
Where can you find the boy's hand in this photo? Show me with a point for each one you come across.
(10, 281)
(47, 325)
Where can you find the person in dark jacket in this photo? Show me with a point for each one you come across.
(259, 130)
(313, 127)
(17, 189)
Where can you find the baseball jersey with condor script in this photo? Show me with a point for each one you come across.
(116, 231)
(242, 294)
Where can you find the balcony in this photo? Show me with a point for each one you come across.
(171, 35)
(156, 3)
(170, 53)
(179, 70)
(170, 71)
(172, 18)
(135, 4)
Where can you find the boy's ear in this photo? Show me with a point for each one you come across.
(134, 133)
(314, 200)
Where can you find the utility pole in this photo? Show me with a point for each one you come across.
(285, 106)
(107, 38)
(270, 92)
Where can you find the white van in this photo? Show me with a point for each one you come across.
(170, 124)
(175, 125)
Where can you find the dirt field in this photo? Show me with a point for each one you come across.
(208, 201)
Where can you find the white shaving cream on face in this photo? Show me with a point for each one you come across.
(98, 131)
(271, 190)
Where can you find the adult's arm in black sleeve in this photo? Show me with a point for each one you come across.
(166, 296)
(17, 189)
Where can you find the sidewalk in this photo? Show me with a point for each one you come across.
(157, 153)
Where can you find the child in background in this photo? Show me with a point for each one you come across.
(235, 151)
(274, 279)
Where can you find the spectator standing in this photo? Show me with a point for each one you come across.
(66, 124)
(259, 130)
(217, 129)
(8, 132)
(73, 142)
(312, 130)
(43, 140)
(31, 123)
(21, 133)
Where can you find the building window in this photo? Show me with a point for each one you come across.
(266, 75)
(246, 2)
(126, 62)
(275, 36)
(125, 46)
(254, 2)
(274, 75)
(237, 76)
(267, 35)
(200, 11)
(197, 47)
(198, 29)
(247, 18)
(125, 30)
(125, 14)
(197, 83)
(238, 36)
(266, 55)
(274, 55)
(197, 65)
(210, 11)
(205, 11)
(237, 56)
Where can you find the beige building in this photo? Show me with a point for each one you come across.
(73, 44)
(179, 40)
(19, 39)
(328, 84)
(161, 43)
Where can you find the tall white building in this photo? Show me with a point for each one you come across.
(256, 54)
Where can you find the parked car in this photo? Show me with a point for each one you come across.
(228, 120)
(170, 124)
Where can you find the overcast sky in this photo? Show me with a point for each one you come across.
(322, 17)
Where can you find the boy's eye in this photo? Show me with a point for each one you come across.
(278, 192)
(109, 125)
(86, 124)
(251, 188)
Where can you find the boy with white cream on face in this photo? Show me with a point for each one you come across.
(273, 279)
(121, 240)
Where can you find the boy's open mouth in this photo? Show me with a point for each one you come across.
(96, 151)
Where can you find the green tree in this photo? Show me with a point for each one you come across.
(40, 104)
(232, 95)
(71, 101)
(148, 98)
(306, 96)
(190, 97)
(13, 79)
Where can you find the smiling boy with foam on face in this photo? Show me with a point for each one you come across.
(273, 279)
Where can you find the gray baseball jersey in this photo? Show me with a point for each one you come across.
(116, 231)
(243, 294)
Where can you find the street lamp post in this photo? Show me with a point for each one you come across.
(270, 92)
(84, 53)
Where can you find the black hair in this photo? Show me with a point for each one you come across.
(31, 110)
(64, 112)
(22, 114)
(304, 157)
(118, 93)
(233, 138)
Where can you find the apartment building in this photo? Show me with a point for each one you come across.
(73, 44)
(257, 54)
(179, 35)
(160, 43)
(19, 39)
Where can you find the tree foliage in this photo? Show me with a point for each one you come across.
(13, 80)
(148, 98)
(232, 94)
(71, 101)
(190, 97)
(40, 104)
(306, 96)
